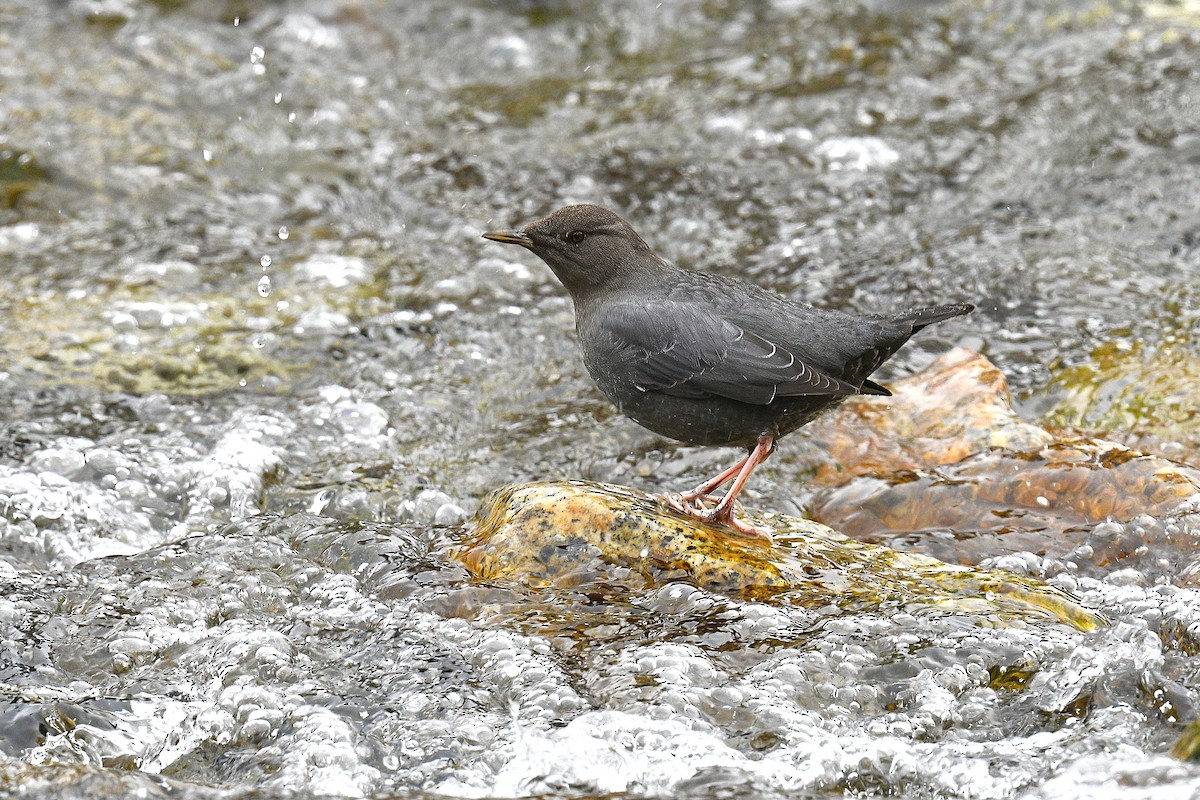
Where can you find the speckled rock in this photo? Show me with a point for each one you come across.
(572, 533)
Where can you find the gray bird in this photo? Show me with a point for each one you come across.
(706, 359)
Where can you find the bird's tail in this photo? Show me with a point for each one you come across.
(920, 317)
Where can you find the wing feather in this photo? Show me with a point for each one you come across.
(690, 350)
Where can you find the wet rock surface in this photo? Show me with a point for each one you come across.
(258, 371)
(948, 467)
(560, 534)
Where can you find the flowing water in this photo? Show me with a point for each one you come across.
(258, 369)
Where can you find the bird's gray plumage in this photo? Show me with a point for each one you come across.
(703, 358)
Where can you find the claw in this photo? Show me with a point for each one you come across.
(680, 504)
(687, 502)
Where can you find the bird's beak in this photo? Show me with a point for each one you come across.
(510, 237)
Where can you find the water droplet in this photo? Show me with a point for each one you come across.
(257, 54)
(259, 341)
(321, 500)
(237, 21)
(265, 261)
(206, 154)
(264, 285)
(283, 232)
(292, 116)
(278, 98)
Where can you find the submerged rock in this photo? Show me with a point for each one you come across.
(947, 465)
(959, 405)
(1148, 394)
(1187, 746)
(570, 533)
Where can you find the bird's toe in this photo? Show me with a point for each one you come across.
(686, 504)
(718, 514)
(750, 531)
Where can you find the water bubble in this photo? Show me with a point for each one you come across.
(259, 341)
(265, 261)
(510, 52)
(206, 154)
(283, 232)
(278, 98)
(257, 54)
(264, 286)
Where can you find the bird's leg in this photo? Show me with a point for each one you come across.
(722, 513)
(704, 490)
(691, 503)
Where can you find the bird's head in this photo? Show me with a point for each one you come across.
(587, 246)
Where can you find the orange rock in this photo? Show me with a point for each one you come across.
(949, 467)
(958, 406)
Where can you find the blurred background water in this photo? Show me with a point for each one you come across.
(258, 369)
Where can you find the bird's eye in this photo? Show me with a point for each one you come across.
(575, 237)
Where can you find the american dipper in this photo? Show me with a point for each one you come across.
(706, 359)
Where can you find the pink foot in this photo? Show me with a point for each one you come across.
(715, 515)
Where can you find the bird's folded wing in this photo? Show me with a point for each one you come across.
(689, 350)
